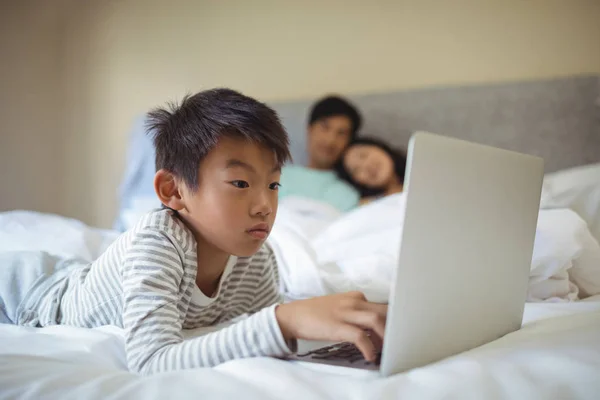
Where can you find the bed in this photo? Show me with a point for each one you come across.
(556, 354)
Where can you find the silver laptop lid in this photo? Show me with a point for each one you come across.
(465, 252)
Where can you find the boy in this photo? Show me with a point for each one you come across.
(333, 123)
(201, 260)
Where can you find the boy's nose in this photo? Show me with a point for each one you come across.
(262, 206)
(264, 211)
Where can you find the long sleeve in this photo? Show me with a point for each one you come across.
(154, 310)
(267, 290)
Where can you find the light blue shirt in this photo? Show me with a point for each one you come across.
(318, 185)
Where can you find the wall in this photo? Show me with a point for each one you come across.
(122, 57)
(30, 108)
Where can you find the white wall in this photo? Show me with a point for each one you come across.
(31, 111)
(122, 57)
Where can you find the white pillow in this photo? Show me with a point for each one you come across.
(569, 240)
(564, 253)
(577, 189)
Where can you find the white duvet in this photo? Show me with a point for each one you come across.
(555, 356)
(320, 251)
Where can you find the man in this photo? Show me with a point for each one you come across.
(332, 125)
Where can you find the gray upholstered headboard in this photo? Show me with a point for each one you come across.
(558, 120)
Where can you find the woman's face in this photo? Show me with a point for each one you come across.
(369, 165)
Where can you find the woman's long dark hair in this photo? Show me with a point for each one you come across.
(397, 156)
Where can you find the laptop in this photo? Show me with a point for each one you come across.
(465, 255)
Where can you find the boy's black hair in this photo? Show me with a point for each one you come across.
(398, 156)
(184, 134)
(333, 106)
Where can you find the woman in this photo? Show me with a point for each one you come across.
(373, 168)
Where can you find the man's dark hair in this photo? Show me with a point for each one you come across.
(398, 156)
(184, 134)
(331, 106)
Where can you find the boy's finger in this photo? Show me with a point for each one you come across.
(357, 295)
(361, 340)
(366, 320)
(377, 341)
(378, 308)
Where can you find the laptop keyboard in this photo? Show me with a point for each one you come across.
(346, 352)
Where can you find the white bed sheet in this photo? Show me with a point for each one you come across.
(556, 355)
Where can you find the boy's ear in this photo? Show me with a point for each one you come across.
(167, 189)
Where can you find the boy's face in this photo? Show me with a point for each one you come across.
(327, 139)
(235, 205)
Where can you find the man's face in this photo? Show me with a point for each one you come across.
(327, 139)
(235, 204)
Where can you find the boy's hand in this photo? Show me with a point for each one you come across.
(340, 317)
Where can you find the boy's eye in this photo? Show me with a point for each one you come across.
(274, 186)
(240, 184)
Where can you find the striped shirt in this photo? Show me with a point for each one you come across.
(145, 282)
